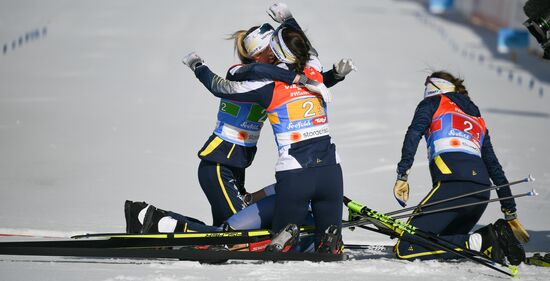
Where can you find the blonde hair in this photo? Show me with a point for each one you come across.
(240, 50)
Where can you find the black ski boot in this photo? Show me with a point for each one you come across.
(151, 220)
(331, 241)
(510, 244)
(285, 239)
(490, 245)
(131, 212)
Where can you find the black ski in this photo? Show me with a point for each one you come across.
(130, 242)
(186, 253)
(121, 240)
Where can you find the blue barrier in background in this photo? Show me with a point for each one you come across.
(28, 37)
(510, 38)
(440, 6)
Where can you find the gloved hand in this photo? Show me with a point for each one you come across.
(192, 60)
(518, 229)
(343, 68)
(319, 88)
(279, 12)
(401, 191)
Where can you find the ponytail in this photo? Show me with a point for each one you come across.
(240, 50)
(299, 45)
(459, 83)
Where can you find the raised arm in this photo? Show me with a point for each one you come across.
(338, 72)
(280, 13)
(261, 71)
(259, 92)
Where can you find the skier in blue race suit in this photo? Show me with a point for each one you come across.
(462, 160)
(308, 169)
(240, 141)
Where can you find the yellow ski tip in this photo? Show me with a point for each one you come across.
(514, 271)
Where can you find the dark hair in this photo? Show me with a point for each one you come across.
(460, 88)
(299, 45)
(239, 36)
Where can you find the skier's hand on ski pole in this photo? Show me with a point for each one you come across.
(279, 12)
(518, 229)
(401, 192)
(192, 60)
(343, 68)
(316, 87)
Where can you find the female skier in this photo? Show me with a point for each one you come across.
(232, 146)
(308, 169)
(462, 160)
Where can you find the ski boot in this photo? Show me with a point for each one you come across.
(152, 219)
(331, 241)
(510, 244)
(131, 213)
(285, 239)
(490, 245)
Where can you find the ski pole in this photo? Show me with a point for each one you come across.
(393, 227)
(364, 221)
(529, 178)
(530, 193)
(455, 249)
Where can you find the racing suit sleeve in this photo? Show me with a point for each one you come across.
(260, 92)
(291, 22)
(259, 71)
(329, 79)
(496, 173)
(420, 123)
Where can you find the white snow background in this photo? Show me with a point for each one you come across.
(96, 108)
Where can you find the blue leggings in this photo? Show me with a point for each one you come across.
(256, 216)
(453, 225)
(224, 187)
(322, 187)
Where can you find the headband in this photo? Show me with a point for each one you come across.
(279, 48)
(438, 86)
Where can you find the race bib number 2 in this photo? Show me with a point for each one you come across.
(305, 109)
(467, 125)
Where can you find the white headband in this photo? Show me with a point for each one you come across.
(438, 86)
(281, 51)
(258, 40)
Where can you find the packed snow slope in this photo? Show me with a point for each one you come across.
(96, 108)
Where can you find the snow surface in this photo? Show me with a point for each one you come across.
(96, 108)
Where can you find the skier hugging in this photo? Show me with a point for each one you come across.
(281, 79)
